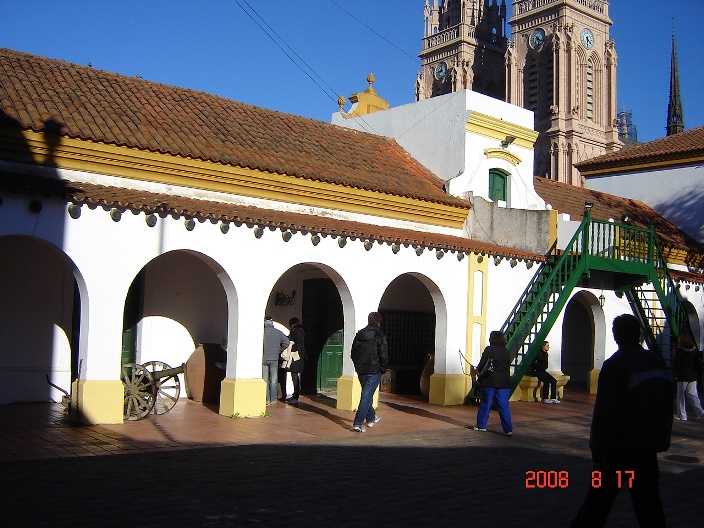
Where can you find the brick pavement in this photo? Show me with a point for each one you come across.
(420, 466)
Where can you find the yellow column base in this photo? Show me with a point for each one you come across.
(449, 389)
(98, 401)
(594, 381)
(241, 398)
(518, 395)
(349, 391)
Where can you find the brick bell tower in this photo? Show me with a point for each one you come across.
(561, 63)
(464, 44)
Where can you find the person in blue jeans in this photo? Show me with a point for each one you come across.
(495, 384)
(274, 342)
(370, 355)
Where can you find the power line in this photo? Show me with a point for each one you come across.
(382, 37)
(271, 32)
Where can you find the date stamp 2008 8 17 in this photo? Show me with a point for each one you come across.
(560, 479)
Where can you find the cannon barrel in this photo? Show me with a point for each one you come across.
(169, 373)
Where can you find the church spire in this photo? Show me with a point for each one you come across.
(675, 116)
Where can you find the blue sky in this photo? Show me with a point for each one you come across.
(213, 46)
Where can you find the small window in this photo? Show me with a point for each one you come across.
(498, 185)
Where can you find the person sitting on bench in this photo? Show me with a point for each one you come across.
(539, 369)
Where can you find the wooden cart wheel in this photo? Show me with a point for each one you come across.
(166, 389)
(139, 391)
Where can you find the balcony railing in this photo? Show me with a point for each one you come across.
(524, 6)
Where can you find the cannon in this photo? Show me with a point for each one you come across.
(151, 388)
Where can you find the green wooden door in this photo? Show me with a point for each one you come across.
(330, 362)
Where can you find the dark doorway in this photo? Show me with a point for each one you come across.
(411, 337)
(577, 344)
(322, 317)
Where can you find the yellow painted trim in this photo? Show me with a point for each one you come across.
(594, 380)
(623, 168)
(98, 401)
(502, 154)
(680, 256)
(349, 391)
(242, 397)
(99, 158)
(449, 389)
(553, 220)
(495, 128)
(483, 266)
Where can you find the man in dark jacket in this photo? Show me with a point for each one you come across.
(370, 355)
(632, 423)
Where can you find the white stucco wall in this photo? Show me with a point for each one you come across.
(433, 131)
(240, 272)
(675, 193)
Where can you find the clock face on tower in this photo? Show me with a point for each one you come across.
(587, 38)
(441, 71)
(537, 38)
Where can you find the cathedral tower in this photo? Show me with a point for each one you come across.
(463, 48)
(561, 64)
(675, 114)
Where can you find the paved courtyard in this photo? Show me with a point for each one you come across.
(302, 466)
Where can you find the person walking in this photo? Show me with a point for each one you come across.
(631, 424)
(274, 342)
(370, 355)
(495, 383)
(296, 364)
(539, 369)
(687, 368)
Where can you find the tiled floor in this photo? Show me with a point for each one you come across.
(41, 431)
(302, 466)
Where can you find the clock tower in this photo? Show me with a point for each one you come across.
(561, 63)
(464, 45)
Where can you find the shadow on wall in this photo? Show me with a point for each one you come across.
(40, 312)
(685, 211)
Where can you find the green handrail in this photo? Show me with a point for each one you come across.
(537, 309)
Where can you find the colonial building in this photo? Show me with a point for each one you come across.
(139, 221)
(481, 147)
(559, 63)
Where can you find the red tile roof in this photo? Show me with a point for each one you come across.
(168, 204)
(569, 199)
(104, 107)
(686, 146)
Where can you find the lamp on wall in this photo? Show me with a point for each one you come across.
(507, 141)
(602, 299)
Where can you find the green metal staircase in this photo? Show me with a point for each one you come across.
(658, 306)
(627, 256)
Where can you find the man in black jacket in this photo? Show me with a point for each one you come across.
(632, 423)
(370, 355)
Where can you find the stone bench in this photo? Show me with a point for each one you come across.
(529, 387)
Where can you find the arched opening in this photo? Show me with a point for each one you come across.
(694, 325)
(177, 302)
(414, 318)
(583, 334)
(40, 318)
(317, 295)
